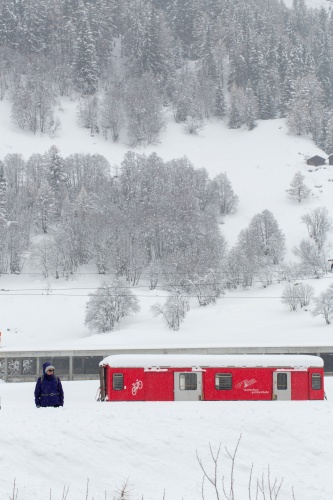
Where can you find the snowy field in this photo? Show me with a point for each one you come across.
(153, 446)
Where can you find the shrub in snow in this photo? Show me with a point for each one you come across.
(289, 272)
(207, 289)
(110, 303)
(305, 294)
(173, 311)
(290, 296)
(193, 124)
(324, 305)
(266, 275)
(261, 487)
(297, 294)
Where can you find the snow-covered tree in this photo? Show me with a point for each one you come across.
(319, 224)
(297, 294)
(298, 189)
(222, 189)
(265, 238)
(312, 258)
(86, 68)
(32, 107)
(111, 302)
(220, 107)
(3, 195)
(88, 113)
(206, 288)
(324, 305)
(290, 296)
(112, 115)
(8, 24)
(45, 206)
(144, 110)
(234, 116)
(57, 176)
(305, 294)
(251, 109)
(174, 310)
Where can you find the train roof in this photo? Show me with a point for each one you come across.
(153, 361)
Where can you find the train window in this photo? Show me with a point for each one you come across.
(223, 381)
(316, 381)
(188, 381)
(118, 381)
(282, 382)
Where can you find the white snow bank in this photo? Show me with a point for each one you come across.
(154, 445)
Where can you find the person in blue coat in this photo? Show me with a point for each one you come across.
(48, 390)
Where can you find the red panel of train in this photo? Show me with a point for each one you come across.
(190, 377)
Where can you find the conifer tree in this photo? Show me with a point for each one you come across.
(3, 195)
(220, 108)
(298, 190)
(8, 24)
(86, 69)
(34, 35)
(234, 116)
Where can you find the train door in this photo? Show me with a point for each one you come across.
(282, 385)
(188, 386)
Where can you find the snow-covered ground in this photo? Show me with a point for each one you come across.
(153, 446)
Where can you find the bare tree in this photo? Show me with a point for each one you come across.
(290, 296)
(305, 294)
(312, 258)
(206, 288)
(297, 294)
(319, 224)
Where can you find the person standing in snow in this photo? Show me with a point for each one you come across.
(48, 390)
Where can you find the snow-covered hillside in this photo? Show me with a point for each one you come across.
(260, 165)
(315, 4)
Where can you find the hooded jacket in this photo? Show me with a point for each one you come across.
(48, 390)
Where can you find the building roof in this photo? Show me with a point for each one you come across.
(316, 158)
(160, 361)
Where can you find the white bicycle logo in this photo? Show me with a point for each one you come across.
(136, 386)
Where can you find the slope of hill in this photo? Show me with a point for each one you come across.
(315, 4)
(260, 165)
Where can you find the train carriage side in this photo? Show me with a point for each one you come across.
(193, 378)
(263, 383)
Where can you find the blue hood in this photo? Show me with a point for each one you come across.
(45, 365)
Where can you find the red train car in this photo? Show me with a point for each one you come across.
(191, 377)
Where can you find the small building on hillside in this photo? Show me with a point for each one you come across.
(330, 160)
(316, 161)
